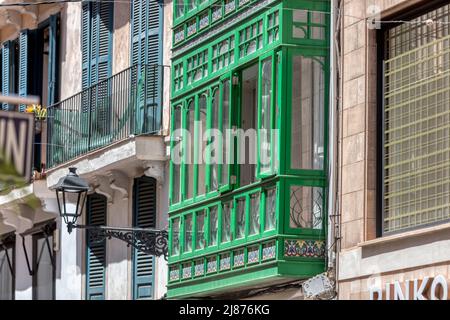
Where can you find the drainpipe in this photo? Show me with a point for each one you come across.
(334, 157)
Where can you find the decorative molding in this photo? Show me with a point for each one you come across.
(304, 248)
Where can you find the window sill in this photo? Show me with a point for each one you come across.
(405, 235)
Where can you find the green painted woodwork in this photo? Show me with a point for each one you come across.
(275, 227)
(95, 252)
(144, 216)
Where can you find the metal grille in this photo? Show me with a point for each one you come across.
(417, 122)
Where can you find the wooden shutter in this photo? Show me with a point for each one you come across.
(85, 44)
(23, 66)
(96, 252)
(154, 52)
(146, 50)
(52, 59)
(144, 216)
(96, 42)
(6, 65)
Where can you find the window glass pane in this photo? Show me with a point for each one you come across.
(225, 126)
(43, 278)
(277, 113)
(306, 204)
(226, 222)
(6, 280)
(308, 92)
(200, 239)
(249, 124)
(213, 226)
(201, 183)
(214, 168)
(266, 104)
(180, 8)
(254, 213)
(176, 165)
(271, 202)
(416, 133)
(190, 4)
(190, 152)
(188, 233)
(240, 218)
(176, 236)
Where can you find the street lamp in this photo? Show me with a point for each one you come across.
(149, 241)
(71, 186)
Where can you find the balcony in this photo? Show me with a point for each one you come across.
(125, 105)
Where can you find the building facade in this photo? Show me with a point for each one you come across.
(101, 71)
(394, 142)
(240, 66)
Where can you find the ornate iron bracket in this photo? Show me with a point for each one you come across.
(149, 241)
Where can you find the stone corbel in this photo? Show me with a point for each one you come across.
(20, 218)
(119, 182)
(14, 19)
(101, 185)
(155, 169)
(31, 11)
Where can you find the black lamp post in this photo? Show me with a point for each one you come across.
(149, 241)
(71, 186)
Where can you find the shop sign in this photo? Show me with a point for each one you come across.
(428, 288)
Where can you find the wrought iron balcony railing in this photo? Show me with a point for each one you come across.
(128, 103)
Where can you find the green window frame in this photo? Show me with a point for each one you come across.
(188, 233)
(268, 114)
(318, 58)
(213, 226)
(175, 236)
(295, 206)
(226, 168)
(202, 112)
(189, 146)
(213, 140)
(191, 149)
(176, 168)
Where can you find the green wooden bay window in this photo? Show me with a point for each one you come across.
(237, 223)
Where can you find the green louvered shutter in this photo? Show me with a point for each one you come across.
(144, 216)
(52, 59)
(85, 44)
(154, 59)
(96, 252)
(96, 42)
(1, 72)
(23, 66)
(146, 50)
(6, 65)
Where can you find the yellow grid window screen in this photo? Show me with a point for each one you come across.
(416, 122)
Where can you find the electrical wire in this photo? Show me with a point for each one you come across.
(371, 19)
